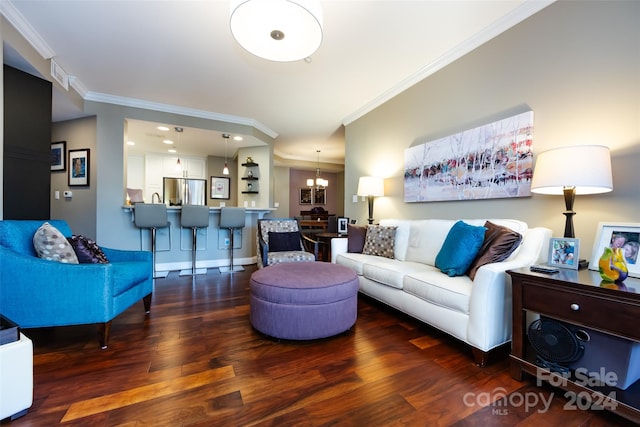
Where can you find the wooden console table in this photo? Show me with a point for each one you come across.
(580, 298)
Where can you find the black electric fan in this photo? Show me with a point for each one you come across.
(556, 345)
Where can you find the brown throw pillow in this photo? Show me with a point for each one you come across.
(499, 242)
(355, 238)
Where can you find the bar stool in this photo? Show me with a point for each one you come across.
(152, 216)
(194, 217)
(232, 218)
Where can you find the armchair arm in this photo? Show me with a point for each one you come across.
(36, 292)
(119, 255)
(310, 245)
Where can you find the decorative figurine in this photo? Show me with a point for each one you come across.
(612, 265)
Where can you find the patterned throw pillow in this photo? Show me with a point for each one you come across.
(87, 251)
(50, 244)
(380, 241)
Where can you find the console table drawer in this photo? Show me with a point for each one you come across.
(598, 313)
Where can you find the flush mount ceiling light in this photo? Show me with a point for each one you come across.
(277, 30)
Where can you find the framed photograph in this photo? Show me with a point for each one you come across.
(79, 168)
(305, 196)
(342, 225)
(622, 235)
(59, 156)
(320, 196)
(220, 186)
(564, 252)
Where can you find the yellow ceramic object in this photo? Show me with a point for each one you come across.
(612, 265)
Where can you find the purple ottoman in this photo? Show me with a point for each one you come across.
(303, 300)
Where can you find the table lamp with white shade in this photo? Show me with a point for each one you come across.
(570, 171)
(370, 187)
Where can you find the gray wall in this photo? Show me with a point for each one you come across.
(575, 64)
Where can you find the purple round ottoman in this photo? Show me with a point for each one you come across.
(303, 300)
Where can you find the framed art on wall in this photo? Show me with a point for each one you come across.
(320, 196)
(79, 167)
(305, 196)
(220, 186)
(623, 235)
(564, 252)
(58, 156)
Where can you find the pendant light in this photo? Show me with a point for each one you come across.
(319, 182)
(178, 164)
(225, 170)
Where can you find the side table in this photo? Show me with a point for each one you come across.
(577, 297)
(325, 241)
(16, 378)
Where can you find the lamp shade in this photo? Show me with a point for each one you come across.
(587, 168)
(277, 30)
(371, 186)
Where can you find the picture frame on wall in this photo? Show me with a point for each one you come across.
(220, 187)
(58, 156)
(79, 171)
(320, 196)
(624, 235)
(564, 252)
(305, 196)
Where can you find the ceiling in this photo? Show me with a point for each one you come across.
(179, 56)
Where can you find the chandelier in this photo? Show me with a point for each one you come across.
(277, 30)
(319, 182)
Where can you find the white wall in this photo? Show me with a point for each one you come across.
(575, 64)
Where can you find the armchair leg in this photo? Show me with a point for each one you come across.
(104, 329)
(146, 300)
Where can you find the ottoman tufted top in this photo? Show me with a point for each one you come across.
(304, 283)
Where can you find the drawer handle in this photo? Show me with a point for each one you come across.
(575, 307)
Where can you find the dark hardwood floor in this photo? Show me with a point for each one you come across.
(196, 361)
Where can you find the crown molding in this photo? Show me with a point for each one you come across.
(168, 108)
(25, 29)
(514, 17)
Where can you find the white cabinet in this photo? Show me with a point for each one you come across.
(190, 167)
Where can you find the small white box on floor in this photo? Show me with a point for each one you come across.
(16, 378)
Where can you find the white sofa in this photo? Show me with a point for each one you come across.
(477, 312)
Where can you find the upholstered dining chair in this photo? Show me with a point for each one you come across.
(279, 240)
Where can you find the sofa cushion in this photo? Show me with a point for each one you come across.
(391, 272)
(355, 238)
(87, 250)
(50, 244)
(460, 248)
(401, 241)
(426, 238)
(450, 292)
(499, 242)
(284, 241)
(379, 241)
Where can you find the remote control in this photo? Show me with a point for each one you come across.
(543, 269)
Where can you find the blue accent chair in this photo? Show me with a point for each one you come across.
(38, 293)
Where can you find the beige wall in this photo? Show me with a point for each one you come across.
(575, 64)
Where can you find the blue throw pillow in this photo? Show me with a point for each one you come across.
(460, 248)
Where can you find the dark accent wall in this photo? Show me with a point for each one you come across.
(27, 145)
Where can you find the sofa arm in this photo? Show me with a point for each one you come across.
(339, 245)
(490, 314)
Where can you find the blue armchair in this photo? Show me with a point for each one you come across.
(39, 293)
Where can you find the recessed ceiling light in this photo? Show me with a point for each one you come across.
(131, 143)
(167, 141)
(163, 128)
(237, 138)
(172, 150)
